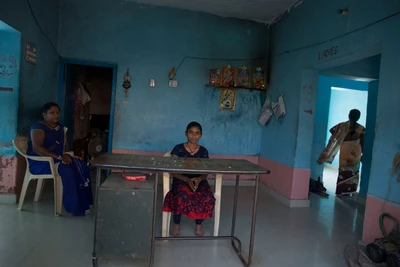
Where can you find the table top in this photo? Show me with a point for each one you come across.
(176, 165)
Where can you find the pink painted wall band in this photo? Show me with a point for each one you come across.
(373, 209)
(7, 175)
(290, 182)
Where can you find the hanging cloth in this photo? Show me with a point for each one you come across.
(82, 97)
(279, 108)
(265, 113)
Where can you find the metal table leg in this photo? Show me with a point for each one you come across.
(154, 220)
(98, 176)
(253, 221)
(233, 238)
(235, 200)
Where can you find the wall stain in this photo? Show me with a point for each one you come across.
(11, 190)
(5, 189)
(4, 163)
(227, 117)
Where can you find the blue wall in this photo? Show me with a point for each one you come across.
(327, 114)
(365, 68)
(38, 84)
(150, 41)
(10, 50)
(298, 39)
(369, 138)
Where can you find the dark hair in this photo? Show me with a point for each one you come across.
(48, 106)
(354, 116)
(194, 124)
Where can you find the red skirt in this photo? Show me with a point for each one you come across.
(197, 204)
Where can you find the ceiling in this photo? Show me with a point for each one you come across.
(266, 11)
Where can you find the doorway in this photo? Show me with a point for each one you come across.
(353, 98)
(86, 97)
(340, 89)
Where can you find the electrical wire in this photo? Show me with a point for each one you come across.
(236, 59)
(396, 166)
(41, 29)
(395, 171)
(387, 194)
(296, 49)
(337, 37)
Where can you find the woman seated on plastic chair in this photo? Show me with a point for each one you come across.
(191, 195)
(47, 138)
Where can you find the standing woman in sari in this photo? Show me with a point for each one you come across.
(348, 137)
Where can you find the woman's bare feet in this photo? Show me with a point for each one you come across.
(199, 230)
(176, 230)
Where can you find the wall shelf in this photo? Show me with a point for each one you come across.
(233, 87)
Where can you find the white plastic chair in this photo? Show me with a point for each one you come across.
(21, 145)
(166, 218)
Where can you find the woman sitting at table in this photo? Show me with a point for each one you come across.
(191, 195)
(47, 138)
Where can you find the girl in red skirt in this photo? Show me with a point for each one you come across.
(191, 195)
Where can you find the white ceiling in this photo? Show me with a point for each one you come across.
(266, 11)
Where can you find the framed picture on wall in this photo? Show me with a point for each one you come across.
(227, 76)
(243, 77)
(227, 99)
(215, 77)
(258, 78)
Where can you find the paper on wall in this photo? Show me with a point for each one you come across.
(279, 108)
(265, 113)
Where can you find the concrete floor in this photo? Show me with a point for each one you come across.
(308, 237)
(330, 176)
